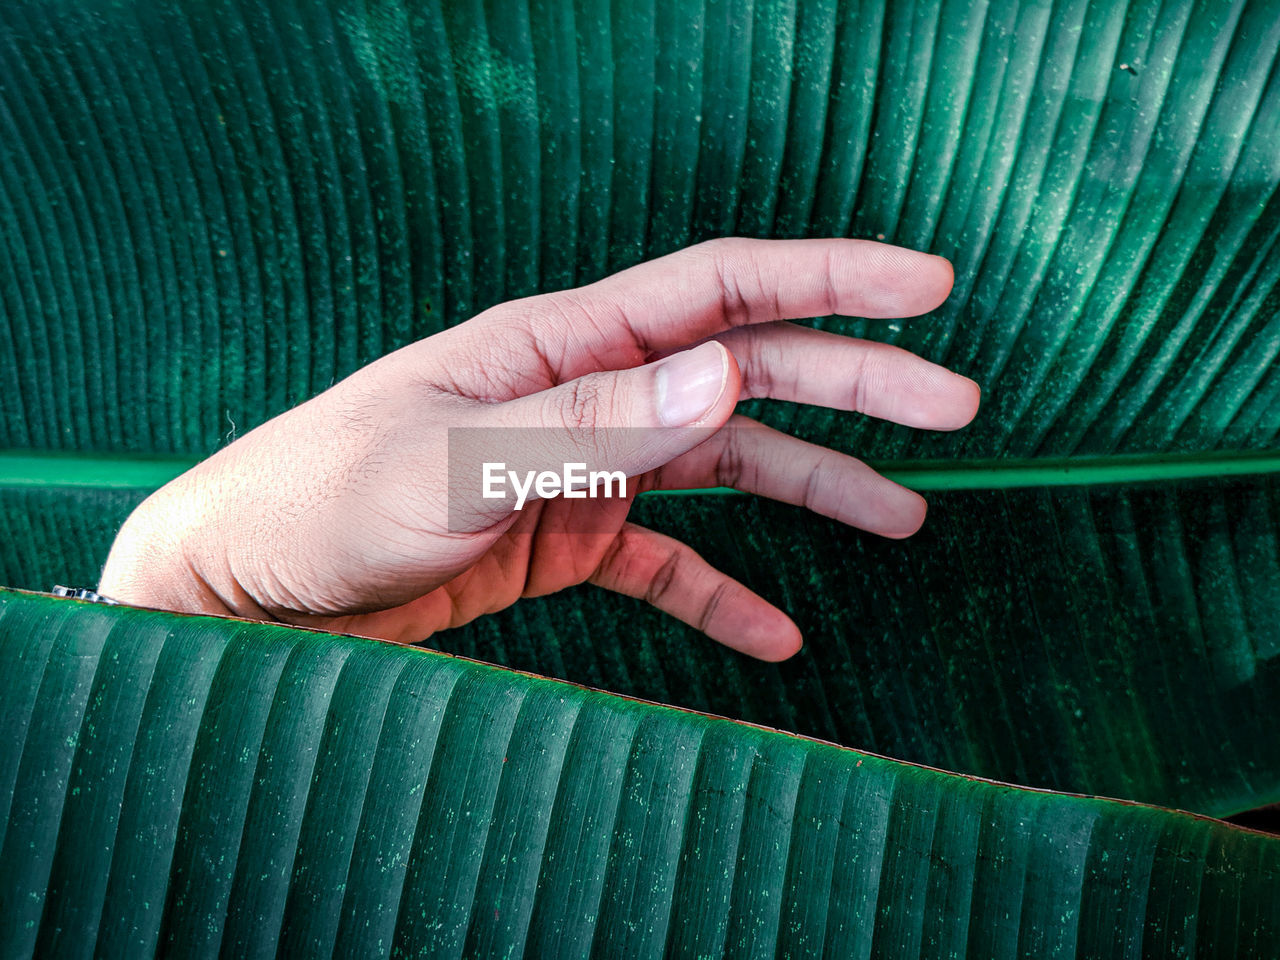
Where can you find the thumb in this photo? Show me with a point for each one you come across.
(625, 420)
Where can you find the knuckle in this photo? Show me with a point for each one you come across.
(591, 318)
(713, 604)
(760, 357)
(874, 378)
(830, 293)
(714, 248)
(730, 463)
(812, 486)
(581, 405)
(616, 557)
(753, 365)
(492, 357)
(727, 267)
(863, 381)
(663, 579)
(550, 313)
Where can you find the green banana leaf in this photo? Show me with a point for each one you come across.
(202, 786)
(210, 211)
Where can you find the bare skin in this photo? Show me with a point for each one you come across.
(334, 514)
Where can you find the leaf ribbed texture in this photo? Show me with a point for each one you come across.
(195, 786)
(211, 209)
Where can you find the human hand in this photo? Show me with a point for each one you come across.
(340, 513)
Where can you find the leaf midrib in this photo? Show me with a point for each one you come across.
(49, 469)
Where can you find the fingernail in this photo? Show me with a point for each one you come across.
(690, 383)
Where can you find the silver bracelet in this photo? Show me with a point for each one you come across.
(79, 593)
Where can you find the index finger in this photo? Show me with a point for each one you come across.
(709, 288)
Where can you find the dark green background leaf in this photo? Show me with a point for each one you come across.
(212, 209)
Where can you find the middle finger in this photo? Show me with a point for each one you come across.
(751, 457)
(786, 361)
